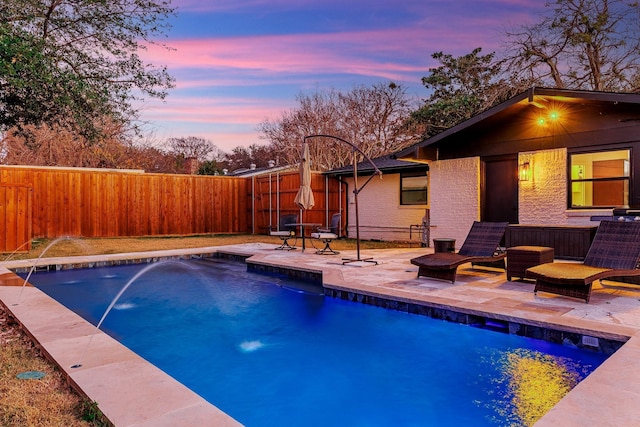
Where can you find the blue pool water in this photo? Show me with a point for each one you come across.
(269, 354)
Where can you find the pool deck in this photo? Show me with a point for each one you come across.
(132, 392)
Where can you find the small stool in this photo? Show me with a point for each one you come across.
(444, 245)
(519, 258)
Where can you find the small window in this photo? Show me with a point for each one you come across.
(413, 188)
(599, 179)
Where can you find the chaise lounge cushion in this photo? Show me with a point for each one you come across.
(567, 273)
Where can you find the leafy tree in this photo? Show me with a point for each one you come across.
(373, 118)
(209, 167)
(461, 88)
(579, 44)
(32, 88)
(75, 63)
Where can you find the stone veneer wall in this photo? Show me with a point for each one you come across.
(455, 197)
(381, 215)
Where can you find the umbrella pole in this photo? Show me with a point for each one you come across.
(355, 200)
(356, 190)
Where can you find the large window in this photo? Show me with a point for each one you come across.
(413, 188)
(599, 179)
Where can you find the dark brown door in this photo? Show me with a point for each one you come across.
(499, 194)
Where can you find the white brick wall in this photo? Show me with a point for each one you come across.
(543, 199)
(381, 215)
(455, 197)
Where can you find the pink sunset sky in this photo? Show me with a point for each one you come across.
(238, 63)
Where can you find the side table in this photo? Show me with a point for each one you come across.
(444, 245)
(519, 258)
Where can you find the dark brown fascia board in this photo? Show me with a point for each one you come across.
(409, 153)
(623, 97)
(414, 152)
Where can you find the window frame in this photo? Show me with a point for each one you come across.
(596, 150)
(414, 174)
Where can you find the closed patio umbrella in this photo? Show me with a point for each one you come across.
(304, 198)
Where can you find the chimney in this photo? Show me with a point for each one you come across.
(191, 165)
(252, 166)
(271, 163)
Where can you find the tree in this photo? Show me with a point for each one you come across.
(32, 89)
(373, 118)
(55, 146)
(461, 88)
(244, 157)
(49, 146)
(192, 147)
(579, 44)
(210, 167)
(74, 63)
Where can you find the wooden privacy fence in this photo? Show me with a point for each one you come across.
(275, 192)
(15, 217)
(53, 202)
(101, 203)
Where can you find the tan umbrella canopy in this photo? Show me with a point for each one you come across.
(304, 198)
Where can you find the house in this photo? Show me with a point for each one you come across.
(545, 156)
(391, 207)
(252, 170)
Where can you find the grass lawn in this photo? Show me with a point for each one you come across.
(49, 401)
(98, 246)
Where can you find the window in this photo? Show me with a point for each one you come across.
(599, 179)
(413, 188)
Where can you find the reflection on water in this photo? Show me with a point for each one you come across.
(124, 306)
(250, 346)
(533, 383)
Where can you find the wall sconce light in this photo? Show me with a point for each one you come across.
(524, 172)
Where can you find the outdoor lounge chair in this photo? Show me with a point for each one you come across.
(481, 246)
(614, 252)
(327, 235)
(285, 232)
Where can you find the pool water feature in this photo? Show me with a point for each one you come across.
(269, 351)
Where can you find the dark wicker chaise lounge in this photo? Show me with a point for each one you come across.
(614, 252)
(480, 246)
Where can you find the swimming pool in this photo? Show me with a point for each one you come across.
(271, 355)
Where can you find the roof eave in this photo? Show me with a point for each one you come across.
(408, 153)
(418, 152)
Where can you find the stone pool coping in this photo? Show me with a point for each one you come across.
(132, 392)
